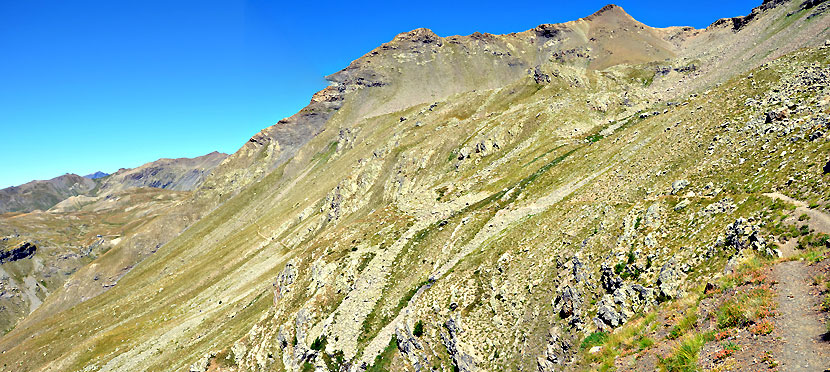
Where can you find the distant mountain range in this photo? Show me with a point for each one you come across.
(181, 174)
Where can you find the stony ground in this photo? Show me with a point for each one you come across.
(803, 343)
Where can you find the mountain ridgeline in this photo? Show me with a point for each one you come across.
(181, 174)
(529, 201)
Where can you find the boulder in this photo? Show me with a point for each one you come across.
(776, 115)
(683, 204)
(668, 281)
(678, 185)
(652, 216)
(607, 314)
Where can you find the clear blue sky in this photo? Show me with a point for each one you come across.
(100, 85)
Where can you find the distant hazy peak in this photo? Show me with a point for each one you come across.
(96, 175)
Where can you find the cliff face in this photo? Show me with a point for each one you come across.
(479, 202)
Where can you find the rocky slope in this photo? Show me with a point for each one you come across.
(94, 216)
(482, 202)
(58, 244)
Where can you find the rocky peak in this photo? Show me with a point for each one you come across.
(421, 35)
(610, 10)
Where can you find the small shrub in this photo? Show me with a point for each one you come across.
(418, 331)
(804, 217)
(319, 343)
(683, 326)
(595, 137)
(731, 314)
(722, 335)
(763, 327)
(645, 343)
(729, 348)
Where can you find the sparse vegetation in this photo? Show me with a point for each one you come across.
(685, 355)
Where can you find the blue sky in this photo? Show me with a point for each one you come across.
(100, 85)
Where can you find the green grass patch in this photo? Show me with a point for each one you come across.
(384, 359)
(594, 339)
(685, 355)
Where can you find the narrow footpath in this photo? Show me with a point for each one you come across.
(803, 345)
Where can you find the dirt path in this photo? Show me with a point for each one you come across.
(819, 221)
(799, 323)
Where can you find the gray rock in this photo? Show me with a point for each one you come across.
(202, 364)
(607, 314)
(409, 346)
(668, 281)
(462, 360)
(568, 303)
(609, 281)
(556, 352)
(722, 206)
(744, 234)
(683, 204)
(285, 281)
(678, 185)
(652, 217)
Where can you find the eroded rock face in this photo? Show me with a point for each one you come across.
(410, 347)
(616, 307)
(285, 281)
(557, 352)
(568, 303)
(461, 359)
(746, 234)
(25, 250)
